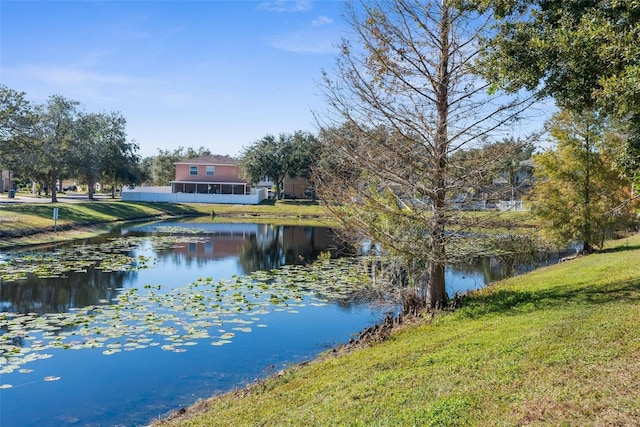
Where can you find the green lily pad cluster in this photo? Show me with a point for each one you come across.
(203, 311)
(113, 255)
(172, 229)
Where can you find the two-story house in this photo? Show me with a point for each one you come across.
(206, 179)
(213, 174)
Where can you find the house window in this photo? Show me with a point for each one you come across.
(193, 170)
(211, 170)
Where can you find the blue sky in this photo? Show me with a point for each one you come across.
(218, 74)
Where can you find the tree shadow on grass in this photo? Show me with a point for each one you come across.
(297, 202)
(43, 211)
(82, 214)
(131, 210)
(510, 301)
(621, 248)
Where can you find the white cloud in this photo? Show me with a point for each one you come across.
(285, 5)
(60, 75)
(299, 42)
(321, 20)
(92, 89)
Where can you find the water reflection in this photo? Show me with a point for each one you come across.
(176, 309)
(482, 271)
(59, 295)
(256, 246)
(217, 249)
(248, 247)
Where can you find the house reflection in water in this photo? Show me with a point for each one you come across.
(256, 246)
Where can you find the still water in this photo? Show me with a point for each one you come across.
(131, 326)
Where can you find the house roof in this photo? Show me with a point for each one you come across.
(209, 160)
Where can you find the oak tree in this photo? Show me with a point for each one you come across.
(163, 169)
(276, 158)
(53, 138)
(583, 54)
(16, 118)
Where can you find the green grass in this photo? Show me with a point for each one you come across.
(32, 223)
(558, 346)
(273, 208)
(32, 219)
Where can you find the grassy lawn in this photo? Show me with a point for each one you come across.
(558, 346)
(29, 218)
(32, 223)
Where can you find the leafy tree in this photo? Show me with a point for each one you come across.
(16, 119)
(102, 153)
(402, 103)
(332, 161)
(162, 167)
(584, 54)
(578, 195)
(145, 167)
(85, 155)
(54, 135)
(120, 159)
(288, 155)
(49, 142)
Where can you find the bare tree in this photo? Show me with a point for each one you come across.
(402, 100)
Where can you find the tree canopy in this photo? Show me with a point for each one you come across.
(54, 136)
(16, 115)
(578, 196)
(102, 153)
(56, 140)
(162, 168)
(287, 155)
(584, 54)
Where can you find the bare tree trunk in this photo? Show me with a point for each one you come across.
(91, 189)
(587, 247)
(54, 180)
(54, 197)
(403, 103)
(436, 290)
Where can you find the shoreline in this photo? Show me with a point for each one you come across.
(542, 338)
(29, 223)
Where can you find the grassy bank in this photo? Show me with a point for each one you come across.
(32, 223)
(558, 346)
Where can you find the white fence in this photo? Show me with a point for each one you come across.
(164, 194)
(510, 205)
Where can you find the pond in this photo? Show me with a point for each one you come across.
(130, 326)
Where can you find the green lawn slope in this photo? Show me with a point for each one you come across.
(32, 223)
(558, 346)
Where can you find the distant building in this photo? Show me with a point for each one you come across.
(206, 179)
(209, 175)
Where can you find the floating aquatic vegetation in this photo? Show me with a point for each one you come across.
(177, 318)
(113, 255)
(176, 229)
